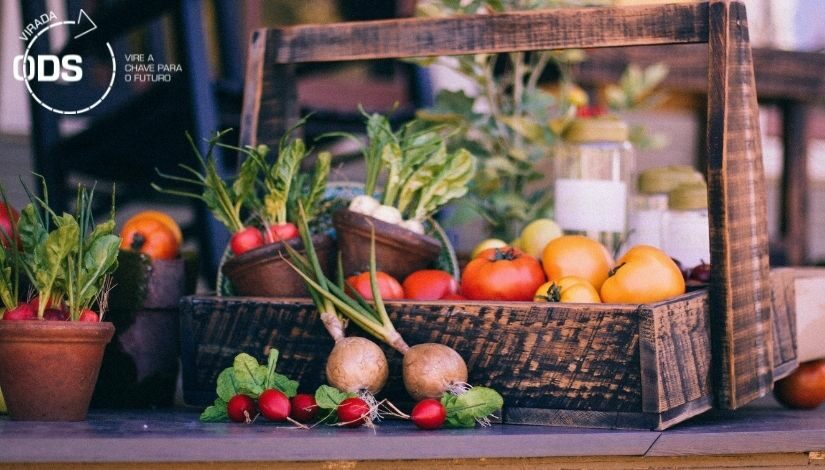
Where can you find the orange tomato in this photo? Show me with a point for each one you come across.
(161, 217)
(575, 255)
(568, 289)
(644, 274)
(151, 237)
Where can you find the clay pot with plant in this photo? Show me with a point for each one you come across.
(52, 346)
(421, 175)
(258, 207)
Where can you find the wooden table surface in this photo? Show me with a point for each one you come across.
(760, 434)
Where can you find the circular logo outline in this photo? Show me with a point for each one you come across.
(61, 111)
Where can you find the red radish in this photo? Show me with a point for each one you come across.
(248, 238)
(274, 405)
(21, 312)
(304, 407)
(8, 217)
(353, 412)
(241, 409)
(429, 414)
(89, 316)
(281, 232)
(54, 314)
(52, 303)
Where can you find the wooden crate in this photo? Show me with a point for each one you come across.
(738, 302)
(619, 366)
(614, 366)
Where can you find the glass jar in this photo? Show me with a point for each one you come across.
(686, 235)
(650, 204)
(593, 168)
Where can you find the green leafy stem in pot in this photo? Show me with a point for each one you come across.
(68, 258)
(421, 174)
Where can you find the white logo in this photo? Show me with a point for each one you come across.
(51, 68)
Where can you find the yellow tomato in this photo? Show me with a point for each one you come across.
(485, 244)
(575, 255)
(537, 234)
(567, 289)
(644, 274)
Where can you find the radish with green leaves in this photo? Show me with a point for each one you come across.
(248, 378)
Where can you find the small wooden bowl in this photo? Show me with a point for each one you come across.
(398, 251)
(262, 272)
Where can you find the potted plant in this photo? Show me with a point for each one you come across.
(269, 193)
(421, 175)
(52, 346)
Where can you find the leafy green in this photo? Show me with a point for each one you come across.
(474, 405)
(223, 200)
(278, 180)
(328, 398)
(216, 412)
(249, 378)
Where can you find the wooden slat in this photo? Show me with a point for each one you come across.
(783, 316)
(523, 31)
(675, 352)
(739, 290)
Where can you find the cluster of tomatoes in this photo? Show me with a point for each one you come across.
(572, 268)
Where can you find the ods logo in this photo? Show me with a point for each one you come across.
(66, 70)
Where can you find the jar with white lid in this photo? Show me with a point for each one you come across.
(594, 168)
(686, 235)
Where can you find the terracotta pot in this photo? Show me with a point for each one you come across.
(48, 369)
(398, 251)
(140, 367)
(263, 273)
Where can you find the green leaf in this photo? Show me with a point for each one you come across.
(249, 375)
(226, 384)
(318, 186)
(475, 404)
(271, 363)
(286, 385)
(215, 413)
(243, 187)
(328, 398)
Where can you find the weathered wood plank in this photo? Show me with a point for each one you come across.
(783, 316)
(523, 31)
(739, 290)
(675, 352)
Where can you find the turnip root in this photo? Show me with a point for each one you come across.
(388, 214)
(356, 365)
(364, 204)
(430, 370)
(413, 225)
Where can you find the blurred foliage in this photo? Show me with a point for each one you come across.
(513, 119)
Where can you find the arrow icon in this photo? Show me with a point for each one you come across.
(80, 18)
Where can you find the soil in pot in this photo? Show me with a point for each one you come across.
(262, 272)
(398, 251)
(48, 369)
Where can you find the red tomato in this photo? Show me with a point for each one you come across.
(281, 232)
(502, 274)
(388, 286)
(429, 284)
(804, 388)
(245, 239)
(454, 297)
(7, 215)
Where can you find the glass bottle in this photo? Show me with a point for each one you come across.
(593, 167)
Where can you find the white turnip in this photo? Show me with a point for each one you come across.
(364, 204)
(388, 214)
(356, 365)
